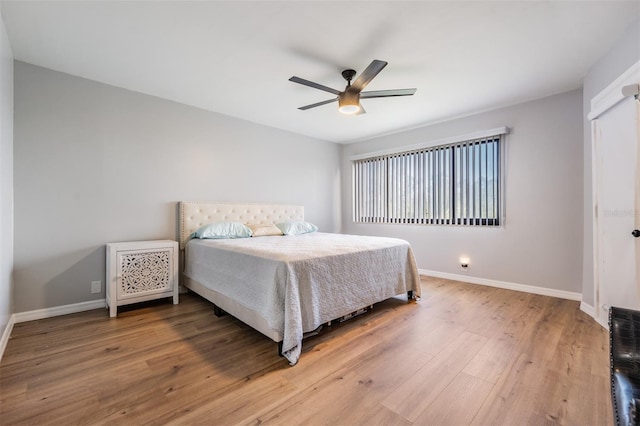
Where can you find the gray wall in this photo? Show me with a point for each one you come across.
(94, 164)
(97, 164)
(6, 178)
(541, 242)
(620, 57)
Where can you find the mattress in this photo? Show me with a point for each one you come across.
(297, 283)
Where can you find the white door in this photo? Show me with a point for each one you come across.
(616, 148)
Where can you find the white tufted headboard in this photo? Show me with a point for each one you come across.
(195, 214)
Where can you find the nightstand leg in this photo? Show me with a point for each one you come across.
(113, 310)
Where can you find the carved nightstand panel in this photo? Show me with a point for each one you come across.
(141, 270)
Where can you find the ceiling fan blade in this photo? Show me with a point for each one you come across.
(314, 85)
(387, 93)
(317, 104)
(368, 74)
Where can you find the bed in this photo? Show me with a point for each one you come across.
(286, 286)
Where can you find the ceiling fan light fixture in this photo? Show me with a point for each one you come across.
(348, 102)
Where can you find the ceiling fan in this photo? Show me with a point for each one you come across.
(349, 99)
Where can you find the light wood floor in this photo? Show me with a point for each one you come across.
(464, 354)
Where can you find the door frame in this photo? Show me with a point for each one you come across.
(600, 104)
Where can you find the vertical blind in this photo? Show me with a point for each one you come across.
(455, 184)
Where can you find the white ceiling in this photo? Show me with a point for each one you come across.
(236, 57)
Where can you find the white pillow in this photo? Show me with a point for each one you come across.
(222, 230)
(264, 230)
(295, 227)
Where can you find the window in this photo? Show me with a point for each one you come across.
(453, 184)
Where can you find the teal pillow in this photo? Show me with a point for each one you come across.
(222, 230)
(295, 227)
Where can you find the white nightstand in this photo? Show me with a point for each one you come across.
(141, 270)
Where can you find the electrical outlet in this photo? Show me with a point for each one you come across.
(96, 286)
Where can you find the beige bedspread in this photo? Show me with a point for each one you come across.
(296, 283)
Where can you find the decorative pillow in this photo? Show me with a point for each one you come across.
(222, 230)
(264, 230)
(295, 227)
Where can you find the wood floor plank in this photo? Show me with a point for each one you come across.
(340, 398)
(430, 334)
(585, 365)
(492, 360)
(382, 416)
(413, 396)
(233, 405)
(373, 366)
(322, 356)
(534, 360)
(514, 398)
(458, 403)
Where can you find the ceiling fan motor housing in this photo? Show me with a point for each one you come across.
(348, 75)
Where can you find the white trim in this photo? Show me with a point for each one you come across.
(562, 294)
(612, 94)
(588, 309)
(591, 311)
(601, 103)
(59, 310)
(6, 334)
(445, 141)
(595, 229)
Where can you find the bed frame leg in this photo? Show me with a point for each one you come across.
(217, 311)
(410, 295)
(280, 348)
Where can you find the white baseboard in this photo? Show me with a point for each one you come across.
(562, 294)
(588, 309)
(6, 334)
(59, 310)
(591, 311)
